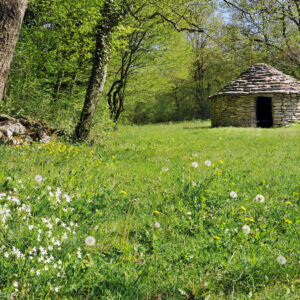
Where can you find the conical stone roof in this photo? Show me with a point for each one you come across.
(261, 79)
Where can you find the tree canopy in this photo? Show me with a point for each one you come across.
(145, 61)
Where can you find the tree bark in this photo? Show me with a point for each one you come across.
(111, 18)
(11, 18)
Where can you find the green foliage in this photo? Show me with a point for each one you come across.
(164, 226)
(173, 73)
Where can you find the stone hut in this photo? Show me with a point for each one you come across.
(260, 97)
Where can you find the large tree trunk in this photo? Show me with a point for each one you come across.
(11, 17)
(111, 18)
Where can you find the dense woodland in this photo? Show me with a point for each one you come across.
(164, 58)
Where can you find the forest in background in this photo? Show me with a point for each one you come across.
(156, 73)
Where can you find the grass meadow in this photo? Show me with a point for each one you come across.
(168, 211)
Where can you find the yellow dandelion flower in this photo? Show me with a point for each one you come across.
(243, 208)
(224, 223)
(287, 221)
(250, 220)
(219, 172)
(113, 157)
(221, 161)
(123, 192)
(232, 183)
(288, 202)
(217, 238)
(156, 212)
(213, 165)
(226, 180)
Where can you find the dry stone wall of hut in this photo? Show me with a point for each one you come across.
(240, 110)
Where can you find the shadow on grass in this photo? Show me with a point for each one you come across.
(198, 127)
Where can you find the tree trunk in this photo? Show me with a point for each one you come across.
(111, 18)
(11, 17)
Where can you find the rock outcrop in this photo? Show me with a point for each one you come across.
(19, 130)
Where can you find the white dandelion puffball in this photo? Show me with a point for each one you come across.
(90, 241)
(260, 198)
(165, 169)
(281, 260)
(38, 178)
(157, 225)
(195, 164)
(246, 229)
(208, 163)
(233, 194)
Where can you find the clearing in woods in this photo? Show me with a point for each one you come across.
(159, 211)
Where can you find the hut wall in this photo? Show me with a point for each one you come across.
(233, 110)
(286, 109)
(240, 110)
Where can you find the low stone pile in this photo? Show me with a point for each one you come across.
(21, 130)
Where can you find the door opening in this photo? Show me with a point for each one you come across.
(264, 112)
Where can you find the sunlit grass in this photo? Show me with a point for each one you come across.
(166, 224)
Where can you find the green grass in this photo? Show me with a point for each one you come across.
(120, 195)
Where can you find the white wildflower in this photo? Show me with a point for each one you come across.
(30, 227)
(79, 255)
(165, 169)
(56, 289)
(6, 254)
(90, 241)
(67, 198)
(38, 272)
(281, 260)
(15, 284)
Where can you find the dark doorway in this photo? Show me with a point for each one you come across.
(264, 112)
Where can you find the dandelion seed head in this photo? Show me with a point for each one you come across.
(208, 163)
(233, 194)
(246, 229)
(195, 164)
(38, 178)
(260, 198)
(157, 225)
(281, 259)
(90, 241)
